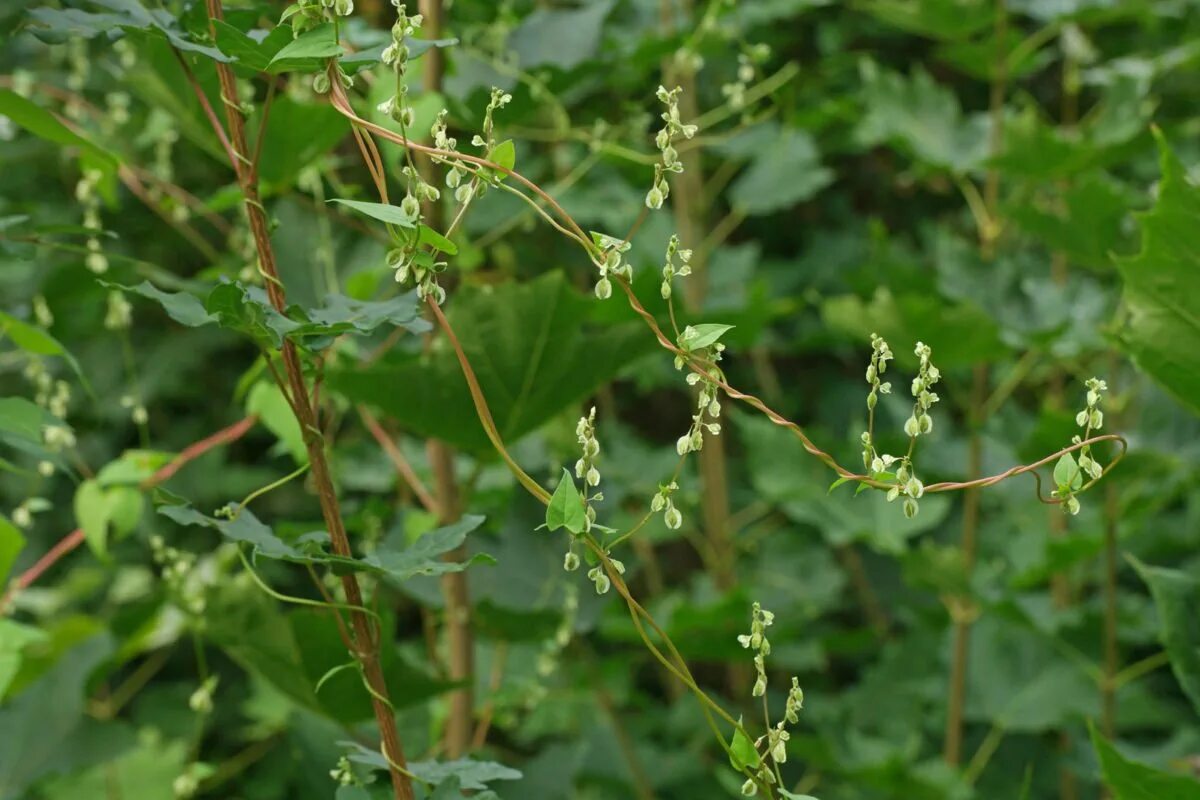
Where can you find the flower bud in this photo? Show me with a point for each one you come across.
(673, 518)
(910, 507)
(654, 198)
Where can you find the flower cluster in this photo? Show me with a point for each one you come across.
(665, 140)
(610, 262)
(919, 421)
(1069, 472)
(748, 61)
(585, 467)
(756, 640)
(882, 465)
(118, 315)
(597, 576)
(777, 736)
(662, 502)
(86, 193)
(708, 403)
(179, 573)
(670, 270)
(22, 515)
(307, 14)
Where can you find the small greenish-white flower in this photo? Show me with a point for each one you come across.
(571, 561)
(596, 576)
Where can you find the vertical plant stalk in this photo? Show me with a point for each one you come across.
(956, 700)
(366, 638)
(460, 640)
(690, 211)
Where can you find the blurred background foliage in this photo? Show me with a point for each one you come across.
(981, 176)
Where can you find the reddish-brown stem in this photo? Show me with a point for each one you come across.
(365, 638)
(394, 454)
(193, 451)
(76, 537)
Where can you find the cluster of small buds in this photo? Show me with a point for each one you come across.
(909, 485)
(663, 502)
(137, 411)
(499, 99)
(201, 700)
(180, 575)
(41, 311)
(22, 515)
(585, 467)
(187, 783)
(89, 200)
(343, 773)
(756, 640)
(1067, 473)
(454, 176)
(548, 657)
(670, 269)
(708, 403)
(58, 438)
(52, 395)
(598, 577)
(396, 56)
(1090, 419)
(116, 105)
(610, 263)
(776, 738)
(585, 434)
(119, 313)
(79, 67)
(307, 14)
(748, 61)
(880, 355)
(665, 140)
(928, 375)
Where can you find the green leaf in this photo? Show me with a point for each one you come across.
(11, 544)
(393, 561)
(1067, 473)
(504, 154)
(698, 337)
(267, 401)
(742, 754)
(53, 707)
(91, 514)
(1159, 324)
(13, 638)
(938, 19)
(532, 351)
(248, 311)
(44, 125)
(761, 189)
(1130, 780)
(921, 117)
(565, 509)
(132, 468)
(301, 135)
(470, 773)
(562, 38)
(255, 55)
(33, 339)
(423, 557)
(383, 212)
(56, 25)
(319, 43)
(428, 236)
(1177, 599)
(184, 308)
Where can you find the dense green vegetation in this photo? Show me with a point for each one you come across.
(600, 399)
